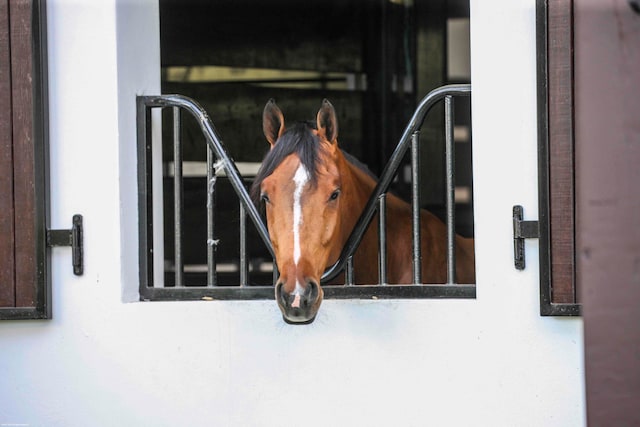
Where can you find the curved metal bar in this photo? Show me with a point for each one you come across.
(215, 142)
(225, 160)
(390, 171)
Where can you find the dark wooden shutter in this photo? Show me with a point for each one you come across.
(24, 288)
(557, 217)
(7, 259)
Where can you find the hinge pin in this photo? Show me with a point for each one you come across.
(522, 230)
(73, 238)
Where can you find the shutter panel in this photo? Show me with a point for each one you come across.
(24, 280)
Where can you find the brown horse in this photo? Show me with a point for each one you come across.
(313, 194)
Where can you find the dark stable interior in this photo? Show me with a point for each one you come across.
(374, 60)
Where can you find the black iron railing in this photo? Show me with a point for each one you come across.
(218, 158)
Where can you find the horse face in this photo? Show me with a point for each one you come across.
(303, 220)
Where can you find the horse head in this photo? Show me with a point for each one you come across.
(300, 185)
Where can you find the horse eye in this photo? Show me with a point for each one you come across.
(334, 195)
(264, 198)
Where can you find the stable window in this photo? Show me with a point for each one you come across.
(24, 277)
(372, 60)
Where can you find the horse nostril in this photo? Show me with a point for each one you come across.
(280, 294)
(300, 306)
(312, 291)
(300, 302)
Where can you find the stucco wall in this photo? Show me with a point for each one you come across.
(105, 361)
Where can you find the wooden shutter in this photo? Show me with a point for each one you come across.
(24, 288)
(557, 217)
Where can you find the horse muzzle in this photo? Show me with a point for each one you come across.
(300, 306)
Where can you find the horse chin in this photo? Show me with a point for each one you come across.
(298, 322)
(296, 316)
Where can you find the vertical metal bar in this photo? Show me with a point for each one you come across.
(212, 278)
(177, 198)
(244, 268)
(382, 239)
(145, 197)
(415, 207)
(451, 185)
(348, 272)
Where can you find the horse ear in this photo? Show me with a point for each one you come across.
(272, 122)
(328, 122)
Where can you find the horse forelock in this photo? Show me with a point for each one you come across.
(300, 140)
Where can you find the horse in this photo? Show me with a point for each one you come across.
(313, 194)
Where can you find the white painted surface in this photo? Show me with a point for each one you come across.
(101, 361)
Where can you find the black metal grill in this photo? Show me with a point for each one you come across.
(218, 158)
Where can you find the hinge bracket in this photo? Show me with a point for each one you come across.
(73, 238)
(522, 230)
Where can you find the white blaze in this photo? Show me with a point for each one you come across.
(300, 178)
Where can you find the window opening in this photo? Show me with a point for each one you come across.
(218, 159)
(371, 59)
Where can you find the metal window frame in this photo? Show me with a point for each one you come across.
(244, 291)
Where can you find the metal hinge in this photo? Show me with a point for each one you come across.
(522, 230)
(73, 238)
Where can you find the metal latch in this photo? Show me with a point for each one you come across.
(522, 230)
(73, 238)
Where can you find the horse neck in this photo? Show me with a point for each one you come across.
(360, 186)
(357, 187)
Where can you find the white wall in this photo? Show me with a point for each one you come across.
(101, 361)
